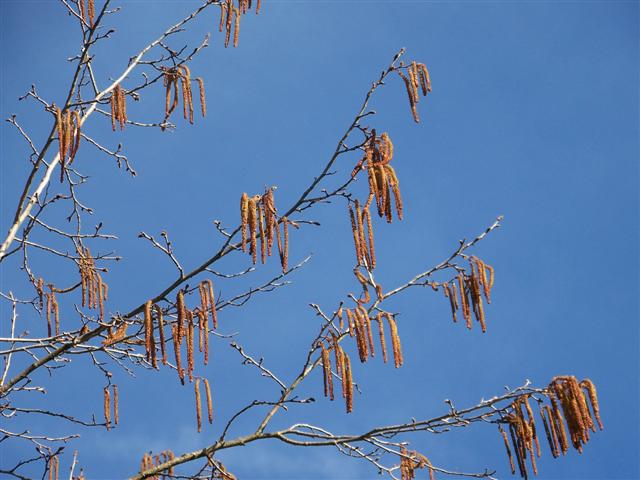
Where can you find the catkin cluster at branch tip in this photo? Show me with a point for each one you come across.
(362, 230)
(68, 129)
(111, 401)
(567, 421)
(118, 108)
(465, 292)
(94, 290)
(259, 222)
(177, 82)
(410, 461)
(150, 461)
(416, 79)
(382, 178)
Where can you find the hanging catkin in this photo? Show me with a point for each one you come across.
(116, 407)
(107, 407)
(198, 405)
(207, 391)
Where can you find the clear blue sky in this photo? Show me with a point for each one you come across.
(534, 115)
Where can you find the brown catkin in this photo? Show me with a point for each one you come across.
(181, 314)
(326, 369)
(506, 445)
(551, 437)
(77, 135)
(395, 341)
(212, 304)
(207, 391)
(190, 362)
(593, 399)
(176, 349)
(147, 328)
(263, 242)
(395, 188)
(244, 216)
(285, 232)
(410, 94)
(107, 407)
(236, 29)
(253, 224)
(223, 11)
(56, 313)
(116, 407)
(372, 248)
(356, 237)
(160, 318)
(203, 101)
(383, 343)
(361, 237)
(229, 11)
(348, 383)
(83, 13)
(367, 324)
(198, 405)
(92, 12)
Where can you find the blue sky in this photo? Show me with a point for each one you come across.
(533, 115)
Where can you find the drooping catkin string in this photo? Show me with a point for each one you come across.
(593, 399)
(148, 325)
(263, 242)
(326, 369)
(244, 216)
(285, 254)
(83, 13)
(348, 382)
(107, 407)
(198, 405)
(207, 391)
(190, 362)
(236, 29)
(54, 465)
(383, 343)
(356, 237)
(506, 446)
(410, 94)
(92, 12)
(187, 96)
(212, 304)
(201, 319)
(361, 336)
(369, 332)
(369, 226)
(229, 10)
(253, 225)
(395, 341)
(203, 101)
(395, 188)
(181, 314)
(176, 349)
(160, 318)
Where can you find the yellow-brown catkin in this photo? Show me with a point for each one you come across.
(212, 304)
(203, 101)
(361, 236)
(207, 391)
(326, 369)
(263, 239)
(258, 7)
(372, 248)
(181, 313)
(83, 13)
(253, 225)
(367, 324)
(336, 351)
(77, 135)
(107, 407)
(506, 446)
(410, 94)
(361, 336)
(198, 405)
(383, 343)
(244, 216)
(395, 341)
(593, 399)
(148, 325)
(395, 187)
(92, 12)
(116, 405)
(348, 383)
(48, 315)
(236, 29)
(176, 349)
(548, 430)
(356, 237)
(223, 10)
(56, 312)
(425, 79)
(285, 232)
(190, 362)
(229, 11)
(114, 109)
(160, 318)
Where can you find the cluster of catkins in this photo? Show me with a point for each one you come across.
(68, 128)
(182, 329)
(107, 401)
(259, 219)
(466, 290)
(230, 18)
(569, 404)
(410, 461)
(150, 461)
(87, 12)
(358, 324)
(177, 82)
(94, 290)
(52, 308)
(418, 79)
